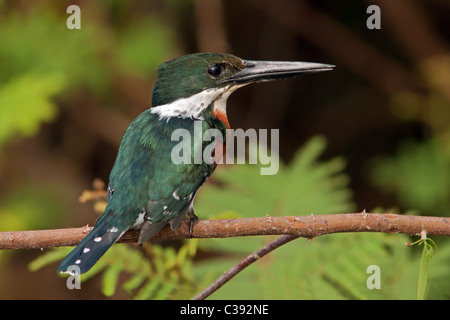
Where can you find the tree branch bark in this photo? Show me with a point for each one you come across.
(302, 226)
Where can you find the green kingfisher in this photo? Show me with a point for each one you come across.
(146, 188)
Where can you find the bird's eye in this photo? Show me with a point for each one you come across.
(215, 70)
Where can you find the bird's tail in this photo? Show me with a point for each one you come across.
(91, 248)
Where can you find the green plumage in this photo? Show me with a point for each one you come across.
(144, 170)
(146, 183)
(147, 189)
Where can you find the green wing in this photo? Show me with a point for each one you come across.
(145, 184)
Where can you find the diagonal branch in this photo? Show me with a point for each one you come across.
(302, 226)
(241, 265)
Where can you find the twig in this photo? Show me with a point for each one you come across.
(226, 276)
(301, 226)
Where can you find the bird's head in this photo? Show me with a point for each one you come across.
(191, 74)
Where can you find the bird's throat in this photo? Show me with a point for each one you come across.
(194, 106)
(222, 116)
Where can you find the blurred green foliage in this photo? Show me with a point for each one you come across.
(25, 207)
(36, 104)
(40, 60)
(419, 175)
(160, 273)
(143, 45)
(39, 42)
(33, 74)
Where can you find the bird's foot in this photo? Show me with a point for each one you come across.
(192, 221)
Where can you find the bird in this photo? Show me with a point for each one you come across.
(146, 189)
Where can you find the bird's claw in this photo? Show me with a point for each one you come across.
(192, 221)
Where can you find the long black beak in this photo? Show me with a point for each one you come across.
(257, 71)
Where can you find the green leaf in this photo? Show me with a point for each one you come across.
(428, 251)
(149, 289)
(135, 281)
(48, 258)
(110, 279)
(26, 102)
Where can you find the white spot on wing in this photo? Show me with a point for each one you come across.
(175, 195)
(139, 220)
(86, 250)
(114, 229)
(78, 261)
(98, 239)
